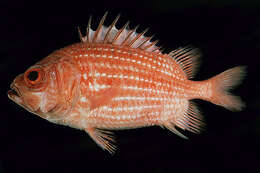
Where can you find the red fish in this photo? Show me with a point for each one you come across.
(119, 79)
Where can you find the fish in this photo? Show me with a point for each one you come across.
(116, 79)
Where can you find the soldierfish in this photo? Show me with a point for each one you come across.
(118, 79)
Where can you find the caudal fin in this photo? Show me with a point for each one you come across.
(222, 83)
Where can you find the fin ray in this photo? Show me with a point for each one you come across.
(138, 39)
(104, 138)
(119, 33)
(188, 59)
(106, 38)
(191, 120)
(87, 37)
(99, 28)
(172, 128)
(222, 83)
(123, 36)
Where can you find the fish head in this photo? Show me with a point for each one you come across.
(35, 90)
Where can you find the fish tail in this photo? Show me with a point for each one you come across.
(221, 84)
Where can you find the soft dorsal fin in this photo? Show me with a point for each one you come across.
(188, 59)
(122, 36)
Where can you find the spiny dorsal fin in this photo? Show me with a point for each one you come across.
(188, 59)
(110, 28)
(99, 27)
(123, 36)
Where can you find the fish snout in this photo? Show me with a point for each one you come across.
(14, 92)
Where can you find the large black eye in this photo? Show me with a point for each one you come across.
(33, 75)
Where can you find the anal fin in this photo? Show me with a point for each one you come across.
(172, 128)
(104, 138)
(190, 120)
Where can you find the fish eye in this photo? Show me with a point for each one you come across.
(33, 76)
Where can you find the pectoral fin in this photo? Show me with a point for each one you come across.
(104, 97)
(104, 138)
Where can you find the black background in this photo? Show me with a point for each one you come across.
(228, 34)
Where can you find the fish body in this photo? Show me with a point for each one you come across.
(119, 79)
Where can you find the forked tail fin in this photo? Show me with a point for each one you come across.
(222, 83)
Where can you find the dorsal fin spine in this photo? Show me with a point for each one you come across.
(99, 27)
(145, 41)
(151, 44)
(138, 36)
(110, 28)
(129, 35)
(123, 36)
(120, 32)
(88, 28)
(80, 35)
(156, 49)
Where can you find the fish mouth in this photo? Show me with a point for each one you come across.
(14, 94)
